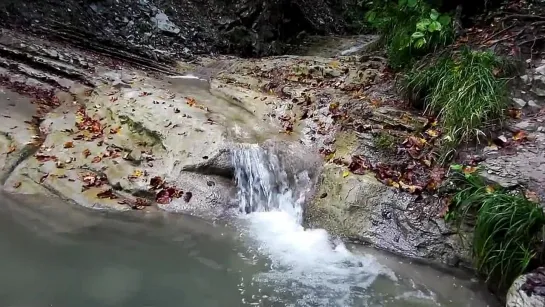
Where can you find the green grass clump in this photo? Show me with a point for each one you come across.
(465, 89)
(508, 229)
(384, 141)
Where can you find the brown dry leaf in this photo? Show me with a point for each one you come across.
(156, 182)
(107, 194)
(115, 130)
(191, 101)
(69, 144)
(520, 136)
(515, 113)
(445, 207)
(11, 149)
(392, 183)
(410, 188)
(17, 185)
(531, 196)
(86, 153)
(96, 159)
(469, 170)
(359, 165)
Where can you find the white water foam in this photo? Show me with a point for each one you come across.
(305, 264)
(188, 76)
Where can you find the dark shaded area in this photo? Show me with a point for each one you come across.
(167, 29)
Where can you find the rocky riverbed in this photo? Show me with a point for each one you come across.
(115, 134)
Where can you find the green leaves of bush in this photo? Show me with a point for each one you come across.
(410, 29)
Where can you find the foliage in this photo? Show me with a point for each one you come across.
(508, 227)
(410, 29)
(465, 89)
(384, 141)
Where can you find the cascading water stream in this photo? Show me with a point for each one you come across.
(305, 263)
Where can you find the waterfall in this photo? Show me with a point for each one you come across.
(264, 185)
(304, 263)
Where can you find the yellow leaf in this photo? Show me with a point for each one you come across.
(345, 174)
(469, 170)
(334, 64)
(137, 173)
(489, 189)
(521, 135)
(432, 133)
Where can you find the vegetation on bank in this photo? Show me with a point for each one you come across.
(509, 228)
(465, 88)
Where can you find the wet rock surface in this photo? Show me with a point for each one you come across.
(163, 30)
(131, 137)
(515, 159)
(528, 290)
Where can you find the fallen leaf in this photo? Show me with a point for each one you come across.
(163, 197)
(433, 133)
(69, 144)
(107, 194)
(531, 196)
(445, 202)
(469, 170)
(334, 64)
(96, 159)
(11, 149)
(358, 165)
(346, 174)
(115, 130)
(520, 136)
(86, 153)
(410, 188)
(17, 185)
(156, 182)
(515, 113)
(489, 189)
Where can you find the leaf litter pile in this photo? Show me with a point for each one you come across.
(89, 129)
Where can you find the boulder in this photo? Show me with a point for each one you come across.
(363, 210)
(527, 290)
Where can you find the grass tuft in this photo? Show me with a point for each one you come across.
(464, 89)
(508, 229)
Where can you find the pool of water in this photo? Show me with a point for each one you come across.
(57, 254)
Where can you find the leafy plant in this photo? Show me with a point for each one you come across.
(508, 227)
(465, 89)
(410, 29)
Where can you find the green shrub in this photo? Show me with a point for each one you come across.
(464, 89)
(409, 29)
(508, 228)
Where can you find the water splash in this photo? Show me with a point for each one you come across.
(306, 265)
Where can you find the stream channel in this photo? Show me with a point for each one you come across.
(58, 254)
